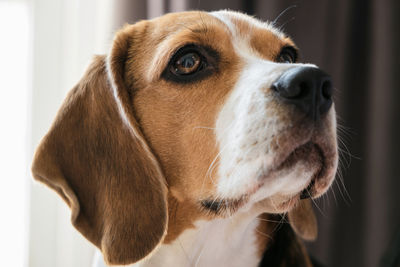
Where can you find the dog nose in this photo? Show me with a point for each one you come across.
(308, 88)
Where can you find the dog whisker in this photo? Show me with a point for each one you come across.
(183, 250)
(284, 24)
(264, 234)
(334, 196)
(282, 13)
(201, 251)
(200, 254)
(316, 205)
(341, 167)
(273, 221)
(340, 183)
(280, 223)
(204, 127)
(340, 191)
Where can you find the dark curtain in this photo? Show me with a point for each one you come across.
(358, 43)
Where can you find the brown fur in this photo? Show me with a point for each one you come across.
(128, 182)
(180, 110)
(303, 220)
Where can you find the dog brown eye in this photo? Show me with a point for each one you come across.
(285, 58)
(287, 55)
(191, 63)
(187, 64)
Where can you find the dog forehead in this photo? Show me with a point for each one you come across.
(252, 37)
(246, 34)
(242, 24)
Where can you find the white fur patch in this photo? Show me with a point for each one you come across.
(220, 242)
(248, 124)
(244, 128)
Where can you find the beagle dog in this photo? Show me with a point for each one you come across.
(193, 142)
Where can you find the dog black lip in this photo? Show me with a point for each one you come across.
(212, 205)
(222, 206)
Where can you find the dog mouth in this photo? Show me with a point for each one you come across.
(310, 156)
(307, 164)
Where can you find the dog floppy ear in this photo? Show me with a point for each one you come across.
(96, 159)
(303, 221)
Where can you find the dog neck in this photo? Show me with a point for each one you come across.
(233, 241)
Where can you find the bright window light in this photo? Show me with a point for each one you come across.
(14, 70)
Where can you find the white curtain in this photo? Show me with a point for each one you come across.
(14, 99)
(66, 34)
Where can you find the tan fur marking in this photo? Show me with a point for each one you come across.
(182, 111)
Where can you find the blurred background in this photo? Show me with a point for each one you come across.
(46, 45)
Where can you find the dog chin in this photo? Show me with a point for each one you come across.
(294, 179)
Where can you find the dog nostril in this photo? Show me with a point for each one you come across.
(327, 89)
(304, 87)
(274, 87)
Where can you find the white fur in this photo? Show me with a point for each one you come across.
(220, 242)
(226, 16)
(246, 120)
(243, 121)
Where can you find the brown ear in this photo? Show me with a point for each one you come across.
(303, 221)
(97, 160)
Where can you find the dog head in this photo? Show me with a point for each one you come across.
(191, 116)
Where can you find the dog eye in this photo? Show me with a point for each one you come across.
(287, 55)
(187, 64)
(191, 63)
